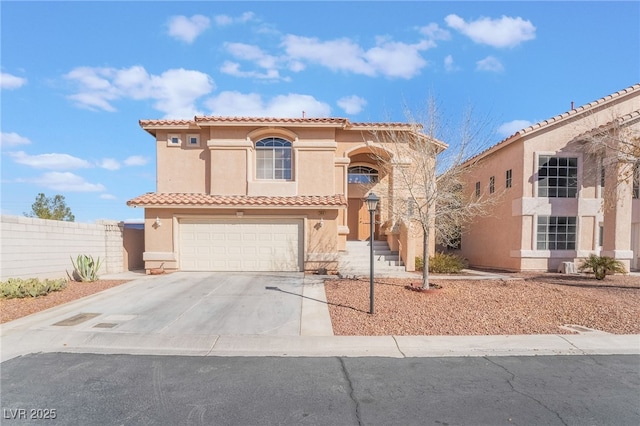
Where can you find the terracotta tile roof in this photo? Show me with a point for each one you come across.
(555, 119)
(243, 121)
(268, 120)
(152, 199)
(168, 123)
(625, 119)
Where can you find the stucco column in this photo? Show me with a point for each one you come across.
(617, 214)
(341, 167)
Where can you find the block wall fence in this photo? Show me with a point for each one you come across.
(40, 248)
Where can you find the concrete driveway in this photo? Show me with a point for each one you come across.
(183, 309)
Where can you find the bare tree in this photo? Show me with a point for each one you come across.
(615, 146)
(428, 180)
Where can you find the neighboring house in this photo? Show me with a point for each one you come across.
(265, 194)
(552, 208)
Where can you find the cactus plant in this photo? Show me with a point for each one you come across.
(85, 268)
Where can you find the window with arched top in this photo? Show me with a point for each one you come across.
(273, 159)
(362, 174)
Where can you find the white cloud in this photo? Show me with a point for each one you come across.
(53, 161)
(136, 160)
(223, 20)
(13, 139)
(109, 164)
(65, 181)
(8, 81)
(187, 29)
(489, 63)
(434, 32)
(341, 54)
(233, 69)
(254, 54)
(107, 196)
(251, 53)
(396, 59)
(174, 92)
(509, 128)
(252, 105)
(352, 104)
(449, 65)
(503, 32)
(390, 59)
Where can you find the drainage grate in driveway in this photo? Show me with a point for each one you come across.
(105, 325)
(76, 319)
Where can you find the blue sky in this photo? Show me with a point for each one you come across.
(77, 76)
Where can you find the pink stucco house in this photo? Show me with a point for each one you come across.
(265, 194)
(559, 204)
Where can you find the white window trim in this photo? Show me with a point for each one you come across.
(170, 138)
(196, 136)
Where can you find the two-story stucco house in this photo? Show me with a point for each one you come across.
(264, 194)
(553, 207)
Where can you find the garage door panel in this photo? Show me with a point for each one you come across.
(240, 245)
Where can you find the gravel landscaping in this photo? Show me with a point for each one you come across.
(524, 304)
(11, 309)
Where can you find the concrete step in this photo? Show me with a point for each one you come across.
(356, 258)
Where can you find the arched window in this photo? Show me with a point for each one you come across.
(273, 159)
(362, 174)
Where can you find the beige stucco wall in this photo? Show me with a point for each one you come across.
(133, 244)
(488, 241)
(181, 168)
(228, 170)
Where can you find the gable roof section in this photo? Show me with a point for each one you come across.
(581, 110)
(153, 199)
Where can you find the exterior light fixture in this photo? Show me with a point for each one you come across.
(157, 222)
(372, 204)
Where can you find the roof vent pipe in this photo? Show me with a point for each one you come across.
(571, 104)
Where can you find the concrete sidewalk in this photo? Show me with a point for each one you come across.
(34, 333)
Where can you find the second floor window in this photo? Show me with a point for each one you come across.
(508, 178)
(492, 184)
(362, 174)
(273, 159)
(557, 177)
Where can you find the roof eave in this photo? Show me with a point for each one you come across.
(241, 207)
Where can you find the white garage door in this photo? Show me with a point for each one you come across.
(240, 245)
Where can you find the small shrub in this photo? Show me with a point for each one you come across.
(85, 268)
(32, 287)
(443, 263)
(601, 266)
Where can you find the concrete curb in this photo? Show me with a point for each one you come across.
(320, 346)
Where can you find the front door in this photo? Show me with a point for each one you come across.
(358, 220)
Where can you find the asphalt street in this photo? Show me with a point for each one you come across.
(92, 389)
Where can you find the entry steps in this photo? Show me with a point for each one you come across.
(354, 262)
